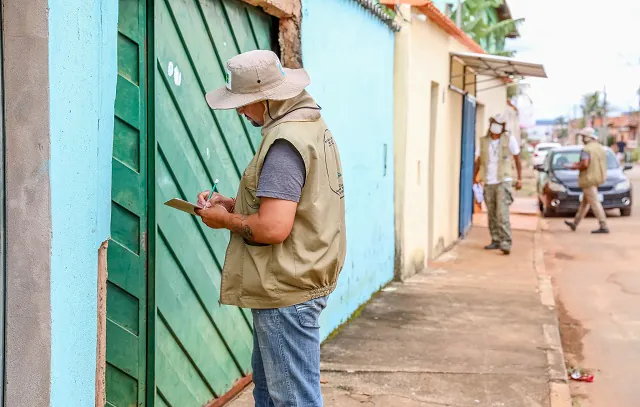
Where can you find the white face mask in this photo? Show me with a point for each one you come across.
(495, 128)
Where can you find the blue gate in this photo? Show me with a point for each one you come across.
(466, 163)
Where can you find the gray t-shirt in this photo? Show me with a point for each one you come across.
(283, 173)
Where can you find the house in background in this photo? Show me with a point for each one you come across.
(624, 127)
(447, 88)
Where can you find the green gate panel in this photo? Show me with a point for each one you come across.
(126, 368)
(202, 348)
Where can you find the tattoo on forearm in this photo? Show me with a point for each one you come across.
(238, 226)
(247, 233)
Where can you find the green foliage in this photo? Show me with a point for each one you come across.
(593, 105)
(563, 132)
(610, 141)
(480, 21)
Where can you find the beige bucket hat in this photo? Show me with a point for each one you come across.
(588, 132)
(255, 76)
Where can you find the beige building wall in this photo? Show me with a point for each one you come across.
(428, 141)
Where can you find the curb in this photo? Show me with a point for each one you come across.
(559, 392)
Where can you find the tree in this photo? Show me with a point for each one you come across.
(479, 20)
(593, 106)
(563, 131)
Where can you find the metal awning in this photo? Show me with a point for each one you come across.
(500, 67)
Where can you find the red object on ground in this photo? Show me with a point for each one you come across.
(583, 378)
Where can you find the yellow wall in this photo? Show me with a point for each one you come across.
(422, 58)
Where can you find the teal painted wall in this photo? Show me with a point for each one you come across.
(82, 71)
(351, 69)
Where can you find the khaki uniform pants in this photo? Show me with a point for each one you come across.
(498, 198)
(590, 200)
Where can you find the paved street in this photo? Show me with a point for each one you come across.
(598, 284)
(470, 331)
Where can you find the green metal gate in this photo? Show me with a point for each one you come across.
(198, 348)
(127, 254)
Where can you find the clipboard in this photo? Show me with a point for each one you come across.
(183, 206)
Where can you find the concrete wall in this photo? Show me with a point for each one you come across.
(28, 212)
(349, 56)
(427, 209)
(82, 68)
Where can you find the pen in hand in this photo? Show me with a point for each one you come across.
(213, 189)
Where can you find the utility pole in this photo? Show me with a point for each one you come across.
(459, 14)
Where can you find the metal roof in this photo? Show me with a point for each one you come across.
(500, 67)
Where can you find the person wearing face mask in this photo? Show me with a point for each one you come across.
(593, 172)
(493, 169)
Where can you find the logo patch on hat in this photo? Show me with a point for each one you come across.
(227, 77)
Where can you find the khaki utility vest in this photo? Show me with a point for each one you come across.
(504, 157)
(307, 264)
(596, 173)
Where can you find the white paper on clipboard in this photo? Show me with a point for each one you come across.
(183, 206)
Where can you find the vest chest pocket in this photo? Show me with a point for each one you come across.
(249, 187)
(333, 165)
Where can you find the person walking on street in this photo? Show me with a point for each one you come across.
(287, 223)
(621, 146)
(593, 172)
(493, 168)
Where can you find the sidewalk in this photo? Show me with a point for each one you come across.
(470, 331)
(526, 207)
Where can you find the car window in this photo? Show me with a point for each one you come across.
(612, 162)
(561, 158)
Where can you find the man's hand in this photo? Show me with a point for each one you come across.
(216, 216)
(518, 185)
(216, 199)
(271, 225)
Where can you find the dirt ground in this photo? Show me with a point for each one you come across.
(597, 281)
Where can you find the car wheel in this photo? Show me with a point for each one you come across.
(625, 211)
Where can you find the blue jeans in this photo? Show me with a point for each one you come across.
(286, 355)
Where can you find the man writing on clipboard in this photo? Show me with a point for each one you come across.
(287, 226)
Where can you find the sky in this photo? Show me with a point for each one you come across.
(584, 45)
